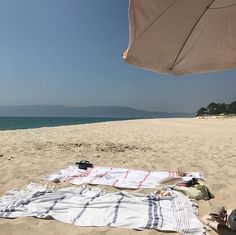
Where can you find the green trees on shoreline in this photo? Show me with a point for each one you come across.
(218, 108)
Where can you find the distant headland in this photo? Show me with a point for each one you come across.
(88, 111)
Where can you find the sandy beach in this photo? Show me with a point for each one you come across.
(206, 145)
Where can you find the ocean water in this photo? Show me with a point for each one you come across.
(14, 123)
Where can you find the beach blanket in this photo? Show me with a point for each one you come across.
(117, 177)
(94, 207)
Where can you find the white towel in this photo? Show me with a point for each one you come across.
(117, 177)
(94, 207)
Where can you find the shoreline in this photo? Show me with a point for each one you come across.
(88, 123)
(48, 122)
(118, 120)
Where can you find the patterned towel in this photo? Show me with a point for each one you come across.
(94, 207)
(117, 177)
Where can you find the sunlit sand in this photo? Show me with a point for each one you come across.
(206, 145)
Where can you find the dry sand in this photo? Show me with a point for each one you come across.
(206, 145)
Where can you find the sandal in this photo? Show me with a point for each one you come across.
(84, 164)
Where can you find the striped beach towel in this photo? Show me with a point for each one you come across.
(117, 177)
(94, 207)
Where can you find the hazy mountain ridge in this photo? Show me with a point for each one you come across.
(87, 111)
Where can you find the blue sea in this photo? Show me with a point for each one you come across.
(14, 123)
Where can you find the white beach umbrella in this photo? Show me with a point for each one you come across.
(182, 36)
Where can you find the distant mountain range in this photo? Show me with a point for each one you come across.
(90, 111)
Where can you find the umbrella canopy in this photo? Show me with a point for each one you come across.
(182, 36)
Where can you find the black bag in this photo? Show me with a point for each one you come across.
(191, 182)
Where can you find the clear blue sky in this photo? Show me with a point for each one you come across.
(69, 52)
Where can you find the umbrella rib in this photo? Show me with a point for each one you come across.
(181, 49)
(216, 8)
